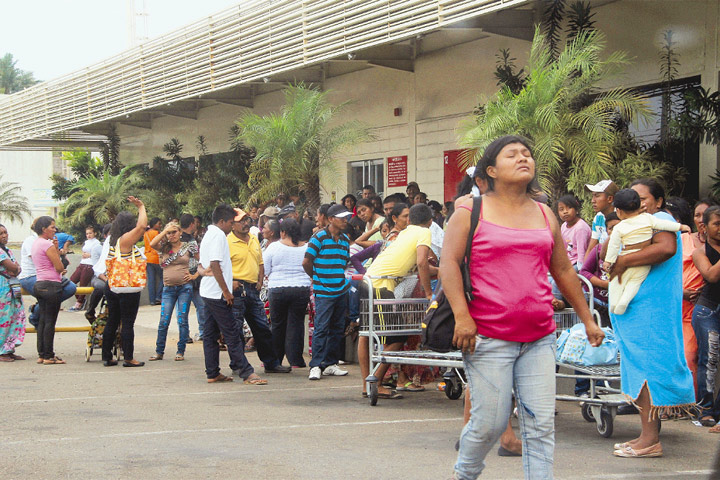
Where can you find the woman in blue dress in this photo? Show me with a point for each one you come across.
(12, 313)
(653, 369)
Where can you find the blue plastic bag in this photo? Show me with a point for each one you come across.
(573, 347)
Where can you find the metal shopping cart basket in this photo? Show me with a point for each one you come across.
(386, 317)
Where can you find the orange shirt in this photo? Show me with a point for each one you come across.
(691, 276)
(150, 253)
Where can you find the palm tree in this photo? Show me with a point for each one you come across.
(573, 127)
(98, 199)
(293, 146)
(13, 205)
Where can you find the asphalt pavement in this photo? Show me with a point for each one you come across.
(86, 421)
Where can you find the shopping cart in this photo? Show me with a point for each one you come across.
(604, 399)
(380, 317)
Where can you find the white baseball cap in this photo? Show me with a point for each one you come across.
(603, 186)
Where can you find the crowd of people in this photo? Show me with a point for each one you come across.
(253, 275)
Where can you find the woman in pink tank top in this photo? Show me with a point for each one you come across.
(507, 332)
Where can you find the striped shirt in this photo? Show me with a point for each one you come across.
(329, 258)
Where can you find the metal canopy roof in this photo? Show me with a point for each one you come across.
(229, 57)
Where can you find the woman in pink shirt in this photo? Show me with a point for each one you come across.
(506, 331)
(48, 287)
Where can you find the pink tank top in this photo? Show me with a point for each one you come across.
(512, 297)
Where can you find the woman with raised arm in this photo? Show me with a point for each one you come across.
(123, 307)
(507, 331)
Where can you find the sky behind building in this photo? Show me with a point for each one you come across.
(54, 37)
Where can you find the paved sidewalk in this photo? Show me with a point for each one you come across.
(86, 421)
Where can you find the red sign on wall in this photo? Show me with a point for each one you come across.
(397, 171)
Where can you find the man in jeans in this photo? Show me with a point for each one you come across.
(325, 260)
(189, 227)
(248, 274)
(218, 299)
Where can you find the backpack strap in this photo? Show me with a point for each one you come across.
(465, 268)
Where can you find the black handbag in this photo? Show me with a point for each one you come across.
(438, 326)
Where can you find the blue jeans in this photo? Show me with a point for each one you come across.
(329, 329)
(354, 301)
(706, 323)
(28, 283)
(154, 282)
(493, 371)
(182, 294)
(199, 310)
(248, 306)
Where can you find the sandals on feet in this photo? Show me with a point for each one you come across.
(157, 356)
(410, 387)
(220, 379)
(179, 357)
(715, 429)
(54, 361)
(6, 357)
(39, 361)
(254, 380)
(17, 357)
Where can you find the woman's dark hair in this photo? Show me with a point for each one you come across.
(680, 209)
(42, 223)
(123, 223)
(365, 202)
(656, 190)
(378, 204)
(705, 201)
(323, 209)
(351, 232)
(611, 217)
(626, 200)
(351, 197)
(489, 159)
(223, 213)
(291, 228)
(436, 207)
(3, 245)
(274, 227)
(464, 187)
(106, 229)
(569, 201)
(395, 212)
(153, 221)
(711, 210)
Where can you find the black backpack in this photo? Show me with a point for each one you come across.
(438, 326)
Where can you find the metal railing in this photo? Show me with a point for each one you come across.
(239, 45)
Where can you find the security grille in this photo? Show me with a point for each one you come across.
(239, 45)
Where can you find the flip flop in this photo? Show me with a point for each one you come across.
(393, 395)
(179, 357)
(715, 429)
(17, 357)
(255, 380)
(220, 378)
(54, 361)
(6, 358)
(411, 387)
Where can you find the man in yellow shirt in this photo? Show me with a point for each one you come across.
(411, 248)
(248, 274)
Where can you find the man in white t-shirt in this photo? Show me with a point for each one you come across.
(218, 298)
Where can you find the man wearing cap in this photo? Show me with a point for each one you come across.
(306, 226)
(602, 203)
(248, 274)
(325, 261)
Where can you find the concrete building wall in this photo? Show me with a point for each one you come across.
(31, 171)
(445, 86)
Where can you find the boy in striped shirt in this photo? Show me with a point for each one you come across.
(325, 260)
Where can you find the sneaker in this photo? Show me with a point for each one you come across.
(335, 371)
(314, 373)
(197, 337)
(583, 395)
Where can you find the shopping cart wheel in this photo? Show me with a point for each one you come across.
(605, 426)
(587, 413)
(373, 395)
(453, 388)
(88, 353)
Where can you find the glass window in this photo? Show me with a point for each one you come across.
(366, 172)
